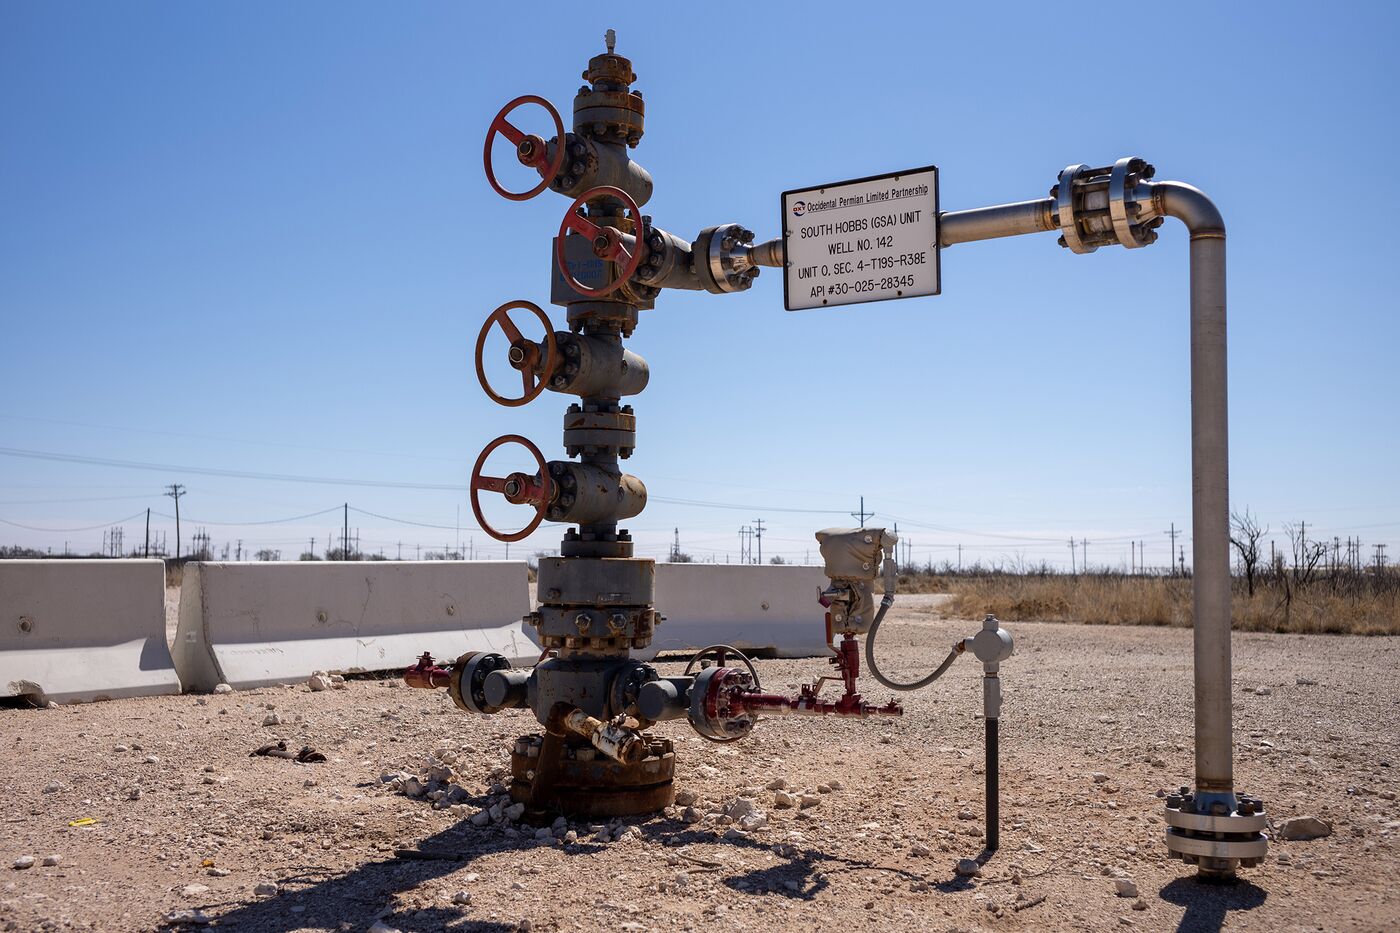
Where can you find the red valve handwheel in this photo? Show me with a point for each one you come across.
(524, 353)
(608, 243)
(538, 160)
(518, 488)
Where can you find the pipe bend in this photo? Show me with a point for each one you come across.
(1189, 205)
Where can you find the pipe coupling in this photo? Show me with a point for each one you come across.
(1107, 206)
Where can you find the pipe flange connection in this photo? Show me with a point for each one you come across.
(468, 684)
(723, 260)
(1216, 832)
(1106, 206)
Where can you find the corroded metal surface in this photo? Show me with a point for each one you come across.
(584, 782)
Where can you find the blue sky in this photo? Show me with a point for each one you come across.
(257, 238)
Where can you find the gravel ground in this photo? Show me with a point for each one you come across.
(185, 821)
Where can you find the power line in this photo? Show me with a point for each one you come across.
(209, 471)
(68, 530)
(270, 521)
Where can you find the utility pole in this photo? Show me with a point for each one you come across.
(862, 515)
(345, 534)
(930, 560)
(1083, 543)
(418, 552)
(1173, 550)
(400, 557)
(758, 533)
(1132, 558)
(175, 491)
(1072, 567)
(676, 546)
(311, 547)
(146, 552)
(238, 554)
(1183, 560)
(1380, 558)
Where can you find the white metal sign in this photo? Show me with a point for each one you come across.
(870, 239)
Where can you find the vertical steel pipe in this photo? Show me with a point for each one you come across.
(1209, 445)
(1210, 484)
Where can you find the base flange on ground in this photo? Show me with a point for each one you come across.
(1205, 831)
(581, 781)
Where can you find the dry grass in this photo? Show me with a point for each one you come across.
(1321, 608)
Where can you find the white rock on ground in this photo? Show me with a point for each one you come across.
(265, 889)
(1304, 828)
(1125, 887)
(51, 860)
(24, 861)
(462, 897)
(968, 868)
(319, 681)
(222, 688)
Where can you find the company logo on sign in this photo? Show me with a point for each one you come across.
(799, 208)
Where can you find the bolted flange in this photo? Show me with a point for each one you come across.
(1216, 832)
(1106, 206)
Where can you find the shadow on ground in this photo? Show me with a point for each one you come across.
(1207, 904)
(318, 898)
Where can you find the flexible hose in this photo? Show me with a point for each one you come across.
(875, 668)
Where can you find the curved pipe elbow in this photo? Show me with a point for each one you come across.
(1189, 205)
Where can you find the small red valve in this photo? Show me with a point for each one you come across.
(530, 150)
(524, 354)
(426, 675)
(609, 243)
(518, 488)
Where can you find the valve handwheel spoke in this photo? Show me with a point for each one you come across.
(518, 488)
(532, 151)
(607, 241)
(524, 353)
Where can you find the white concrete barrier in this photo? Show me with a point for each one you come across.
(253, 624)
(763, 608)
(80, 630)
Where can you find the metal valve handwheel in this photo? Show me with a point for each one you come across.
(722, 653)
(531, 150)
(524, 353)
(518, 488)
(607, 241)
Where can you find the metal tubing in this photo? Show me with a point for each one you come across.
(1209, 444)
(1002, 220)
(993, 787)
(1210, 483)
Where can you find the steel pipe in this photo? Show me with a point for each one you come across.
(1210, 484)
(1210, 477)
(1001, 220)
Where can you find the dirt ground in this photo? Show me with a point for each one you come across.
(183, 820)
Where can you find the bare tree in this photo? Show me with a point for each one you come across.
(1306, 554)
(1244, 535)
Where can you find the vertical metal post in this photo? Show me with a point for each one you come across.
(993, 786)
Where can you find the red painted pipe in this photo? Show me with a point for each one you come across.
(426, 675)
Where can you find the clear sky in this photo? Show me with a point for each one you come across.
(257, 238)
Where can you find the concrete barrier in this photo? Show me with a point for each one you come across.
(767, 608)
(80, 630)
(250, 625)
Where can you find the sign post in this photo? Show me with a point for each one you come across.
(869, 239)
